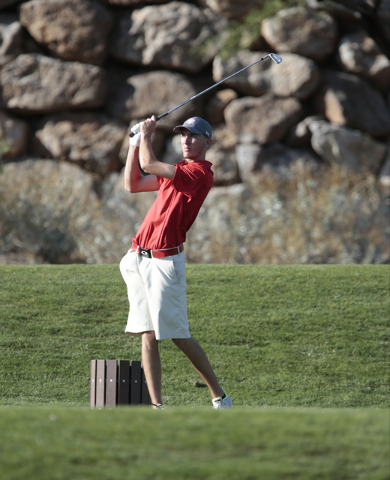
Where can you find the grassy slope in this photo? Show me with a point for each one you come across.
(277, 336)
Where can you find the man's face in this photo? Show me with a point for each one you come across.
(194, 146)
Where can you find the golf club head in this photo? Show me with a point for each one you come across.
(275, 58)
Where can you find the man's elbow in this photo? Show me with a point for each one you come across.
(146, 166)
(131, 187)
(134, 189)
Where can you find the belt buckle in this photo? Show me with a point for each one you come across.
(145, 252)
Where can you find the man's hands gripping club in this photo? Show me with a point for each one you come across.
(147, 127)
(142, 138)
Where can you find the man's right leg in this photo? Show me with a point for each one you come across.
(152, 365)
(200, 362)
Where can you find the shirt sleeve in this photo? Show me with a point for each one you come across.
(189, 178)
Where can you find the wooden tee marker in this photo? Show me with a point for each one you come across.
(118, 383)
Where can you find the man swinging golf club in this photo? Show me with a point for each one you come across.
(154, 269)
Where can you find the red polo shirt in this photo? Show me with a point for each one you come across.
(176, 207)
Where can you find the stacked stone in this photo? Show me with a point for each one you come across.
(74, 75)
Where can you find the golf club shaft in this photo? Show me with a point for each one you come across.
(273, 56)
(210, 88)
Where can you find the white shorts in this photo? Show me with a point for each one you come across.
(156, 289)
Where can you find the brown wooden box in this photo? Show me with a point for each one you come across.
(115, 383)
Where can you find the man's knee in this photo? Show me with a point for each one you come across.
(182, 343)
(177, 341)
(149, 338)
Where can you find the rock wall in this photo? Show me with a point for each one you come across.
(76, 75)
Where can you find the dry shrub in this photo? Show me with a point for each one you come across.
(335, 216)
(50, 210)
(330, 216)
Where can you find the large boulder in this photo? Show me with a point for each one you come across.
(253, 81)
(88, 138)
(153, 93)
(217, 104)
(276, 157)
(298, 30)
(14, 135)
(34, 83)
(266, 118)
(300, 134)
(70, 29)
(350, 101)
(170, 36)
(358, 53)
(344, 146)
(11, 38)
(296, 76)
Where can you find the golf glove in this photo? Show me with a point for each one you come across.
(136, 138)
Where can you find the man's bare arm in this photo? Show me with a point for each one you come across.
(148, 161)
(134, 182)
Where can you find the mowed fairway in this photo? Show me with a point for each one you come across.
(302, 350)
(190, 444)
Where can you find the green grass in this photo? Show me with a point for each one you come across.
(281, 339)
(277, 336)
(187, 444)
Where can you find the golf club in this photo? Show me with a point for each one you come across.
(273, 56)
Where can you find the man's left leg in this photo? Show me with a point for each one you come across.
(200, 362)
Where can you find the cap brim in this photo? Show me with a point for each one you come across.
(193, 130)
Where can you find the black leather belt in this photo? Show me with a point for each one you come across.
(158, 253)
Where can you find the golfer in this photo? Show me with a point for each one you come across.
(154, 268)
